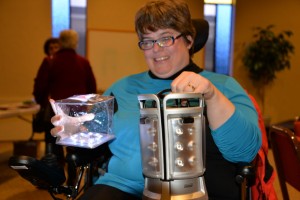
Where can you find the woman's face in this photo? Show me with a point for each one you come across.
(166, 61)
(53, 48)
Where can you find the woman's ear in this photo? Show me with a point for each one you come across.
(190, 38)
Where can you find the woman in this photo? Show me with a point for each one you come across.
(166, 35)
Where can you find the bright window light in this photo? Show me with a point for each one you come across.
(60, 16)
(218, 1)
(78, 3)
(209, 10)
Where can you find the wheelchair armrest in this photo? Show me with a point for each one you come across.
(40, 173)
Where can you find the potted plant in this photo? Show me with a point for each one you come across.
(266, 55)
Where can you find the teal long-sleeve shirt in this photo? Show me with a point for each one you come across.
(238, 139)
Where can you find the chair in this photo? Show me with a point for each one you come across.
(297, 128)
(257, 178)
(286, 151)
(259, 172)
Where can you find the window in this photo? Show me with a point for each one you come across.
(70, 14)
(60, 16)
(218, 48)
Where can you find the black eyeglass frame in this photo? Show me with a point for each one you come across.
(140, 43)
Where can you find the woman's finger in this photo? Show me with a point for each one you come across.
(56, 109)
(52, 102)
(56, 130)
(59, 120)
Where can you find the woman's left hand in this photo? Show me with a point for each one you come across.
(219, 108)
(192, 82)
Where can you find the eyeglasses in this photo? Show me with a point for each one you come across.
(162, 42)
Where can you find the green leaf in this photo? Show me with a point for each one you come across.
(267, 54)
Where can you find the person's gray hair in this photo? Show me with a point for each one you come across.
(68, 39)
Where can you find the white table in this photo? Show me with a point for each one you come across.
(18, 110)
(11, 127)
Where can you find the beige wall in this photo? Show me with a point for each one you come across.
(25, 24)
(117, 18)
(119, 14)
(281, 103)
(282, 98)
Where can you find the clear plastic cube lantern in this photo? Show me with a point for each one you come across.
(87, 120)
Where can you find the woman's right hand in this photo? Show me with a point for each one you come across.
(64, 123)
(57, 128)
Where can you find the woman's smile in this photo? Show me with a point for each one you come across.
(161, 59)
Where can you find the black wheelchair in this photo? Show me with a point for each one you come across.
(91, 163)
(48, 174)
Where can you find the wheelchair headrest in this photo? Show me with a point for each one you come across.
(202, 31)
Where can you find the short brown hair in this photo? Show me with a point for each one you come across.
(47, 44)
(163, 14)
